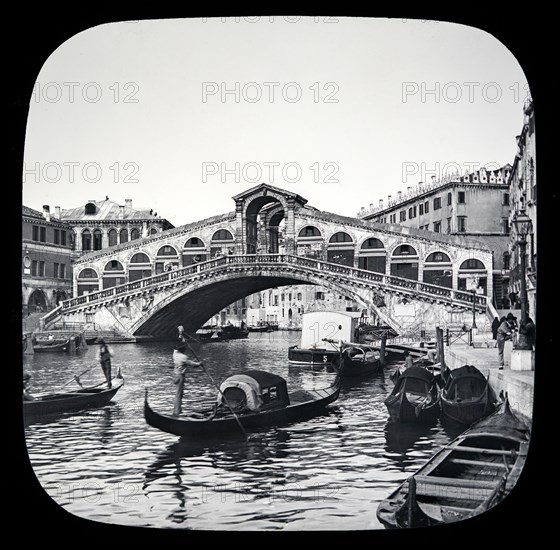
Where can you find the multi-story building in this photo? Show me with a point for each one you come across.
(523, 196)
(474, 206)
(101, 224)
(47, 244)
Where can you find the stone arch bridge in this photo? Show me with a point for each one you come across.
(273, 238)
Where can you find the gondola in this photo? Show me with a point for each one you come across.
(425, 363)
(92, 340)
(74, 400)
(467, 395)
(54, 345)
(465, 478)
(259, 399)
(360, 360)
(313, 356)
(415, 397)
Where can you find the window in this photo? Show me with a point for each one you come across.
(403, 215)
(506, 260)
(113, 237)
(134, 234)
(276, 300)
(461, 224)
(461, 197)
(309, 231)
(410, 216)
(34, 268)
(43, 234)
(124, 235)
(437, 203)
(283, 297)
(299, 296)
(505, 226)
(86, 240)
(290, 297)
(437, 227)
(449, 225)
(340, 237)
(63, 238)
(57, 236)
(97, 239)
(35, 233)
(63, 271)
(319, 296)
(421, 209)
(90, 208)
(426, 207)
(55, 272)
(41, 269)
(450, 198)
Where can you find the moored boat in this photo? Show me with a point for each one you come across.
(465, 478)
(258, 398)
(360, 360)
(42, 345)
(67, 401)
(415, 397)
(313, 356)
(467, 396)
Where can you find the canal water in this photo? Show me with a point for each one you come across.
(329, 472)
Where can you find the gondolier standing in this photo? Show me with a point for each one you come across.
(181, 362)
(105, 360)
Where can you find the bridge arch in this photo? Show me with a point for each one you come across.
(251, 210)
(372, 255)
(87, 281)
(309, 242)
(438, 269)
(222, 243)
(139, 267)
(113, 274)
(167, 258)
(404, 261)
(194, 251)
(341, 249)
(472, 271)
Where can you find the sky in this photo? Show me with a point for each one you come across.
(180, 115)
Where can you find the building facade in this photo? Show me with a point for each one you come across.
(523, 196)
(47, 245)
(475, 207)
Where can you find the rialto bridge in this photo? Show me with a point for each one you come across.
(187, 274)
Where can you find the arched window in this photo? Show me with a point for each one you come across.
(506, 260)
(97, 239)
(194, 252)
(372, 255)
(90, 208)
(472, 275)
(134, 234)
(86, 239)
(438, 270)
(222, 235)
(438, 257)
(167, 259)
(221, 244)
(404, 262)
(123, 236)
(167, 250)
(140, 267)
(88, 281)
(194, 242)
(472, 263)
(153, 231)
(113, 237)
(113, 274)
(341, 237)
(309, 231)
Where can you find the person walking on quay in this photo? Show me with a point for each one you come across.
(105, 355)
(505, 332)
(495, 327)
(181, 362)
(527, 333)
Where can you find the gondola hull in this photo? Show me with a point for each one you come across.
(402, 410)
(188, 427)
(56, 346)
(355, 367)
(465, 478)
(70, 401)
(466, 412)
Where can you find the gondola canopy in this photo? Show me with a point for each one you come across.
(254, 390)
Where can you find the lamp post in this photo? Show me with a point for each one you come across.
(523, 225)
(474, 284)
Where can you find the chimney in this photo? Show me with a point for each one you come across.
(371, 206)
(433, 179)
(121, 212)
(47, 212)
(380, 203)
(57, 211)
(128, 202)
(409, 190)
(389, 197)
(399, 195)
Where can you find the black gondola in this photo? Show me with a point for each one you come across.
(313, 356)
(51, 345)
(73, 400)
(359, 360)
(467, 395)
(259, 399)
(415, 397)
(465, 478)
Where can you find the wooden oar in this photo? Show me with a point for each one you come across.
(219, 390)
(76, 377)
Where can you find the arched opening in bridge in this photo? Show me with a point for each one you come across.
(113, 237)
(194, 251)
(124, 236)
(59, 296)
(404, 262)
(372, 255)
(340, 249)
(438, 270)
(86, 239)
(113, 274)
(140, 267)
(262, 225)
(88, 281)
(222, 244)
(472, 275)
(310, 242)
(37, 301)
(167, 259)
(97, 239)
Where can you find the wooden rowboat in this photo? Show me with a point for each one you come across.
(465, 478)
(415, 397)
(360, 360)
(74, 400)
(467, 395)
(55, 345)
(259, 398)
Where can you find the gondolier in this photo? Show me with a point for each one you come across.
(105, 360)
(181, 362)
